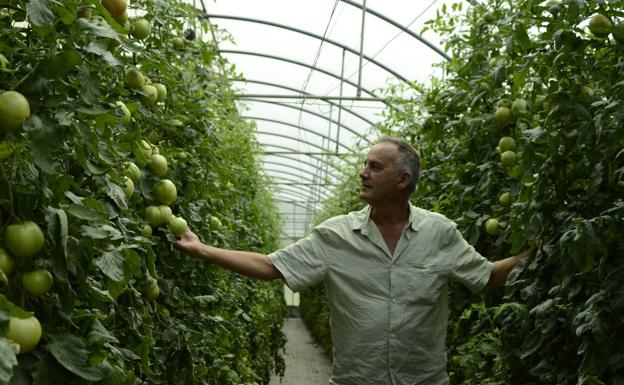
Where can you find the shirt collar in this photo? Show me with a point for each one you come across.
(361, 219)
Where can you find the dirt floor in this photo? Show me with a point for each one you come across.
(306, 364)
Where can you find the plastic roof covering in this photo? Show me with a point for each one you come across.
(301, 135)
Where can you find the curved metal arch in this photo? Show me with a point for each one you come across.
(301, 192)
(303, 178)
(326, 72)
(300, 161)
(328, 101)
(402, 28)
(308, 193)
(298, 127)
(312, 113)
(308, 155)
(284, 198)
(288, 167)
(287, 137)
(273, 24)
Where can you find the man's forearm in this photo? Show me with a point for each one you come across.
(502, 268)
(254, 265)
(500, 271)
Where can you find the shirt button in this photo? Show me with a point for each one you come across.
(394, 300)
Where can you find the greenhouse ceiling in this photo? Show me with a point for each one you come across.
(314, 78)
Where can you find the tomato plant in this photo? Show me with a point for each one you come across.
(68, 207)
(558, 319)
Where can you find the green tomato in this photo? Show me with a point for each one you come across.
(132, 171)
(177, 42)
(158, 165)
(14, 109)
(149, 94)
(7, 264)
(127, 116)
(146, 230)
(178, 226)
(152, 215)
(503, 114)
(37, 282)
(507, 143)
(165, 214)
(600, 25)
(135, 78)
(618, 32)
(141, 28)
(519, 106)
(153, 291)
(26, 332)
(215, 222)
(23, 239)
(165, 192)
(491, 226)
(508, 158)
(162, 91)
(128, 187)
(147, 149)
(505, 199)
(115, 7)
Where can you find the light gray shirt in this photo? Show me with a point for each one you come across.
(388, 313)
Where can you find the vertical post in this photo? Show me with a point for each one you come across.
(340, 100)
(359, 88)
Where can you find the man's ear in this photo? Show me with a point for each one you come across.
(404, 180)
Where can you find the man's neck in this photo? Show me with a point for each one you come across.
(390, 213)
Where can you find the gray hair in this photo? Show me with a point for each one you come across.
(408, 162)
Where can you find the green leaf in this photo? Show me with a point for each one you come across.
(61, 64)
(15, 311)
(70, 351)
(99, 27)
(101, 232)
(40, 12)
(43, 138)
(86, 213)
(8, 359)
(111, 263)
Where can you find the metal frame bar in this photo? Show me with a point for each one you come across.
(281, 58)
(291, 151)
(288, 167)
(273, 24)
(404, 29)
(315, 166)
(294, 190)
(307, 95)
(312, 113)
(297, 127)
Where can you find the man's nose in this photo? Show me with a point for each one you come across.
(363, 173)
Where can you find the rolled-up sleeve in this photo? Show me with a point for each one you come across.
(302, 263)
(469, 267)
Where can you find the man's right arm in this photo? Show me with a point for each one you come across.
(254, 265)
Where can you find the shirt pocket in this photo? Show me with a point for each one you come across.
(422, 284)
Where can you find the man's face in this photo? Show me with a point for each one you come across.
(380, 180)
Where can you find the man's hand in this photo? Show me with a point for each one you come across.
(189, 243)
(528, 253)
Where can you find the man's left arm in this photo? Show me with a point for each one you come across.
(502, 268)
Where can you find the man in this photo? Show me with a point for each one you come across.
(386, 270)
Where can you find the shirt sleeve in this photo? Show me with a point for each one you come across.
(469, 268)
(302, 263)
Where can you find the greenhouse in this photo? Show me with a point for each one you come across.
(332, 192)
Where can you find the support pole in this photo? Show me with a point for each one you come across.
(359, 91)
